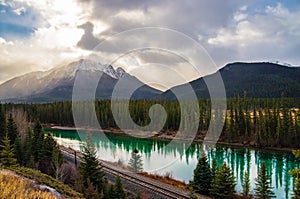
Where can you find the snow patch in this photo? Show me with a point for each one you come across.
(281, 63)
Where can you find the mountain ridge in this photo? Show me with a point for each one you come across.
(258, 79)
(57, 84)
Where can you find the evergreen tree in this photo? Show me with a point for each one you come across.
(120, 193)
(138, 195)
(296, 190)
(2, 123)
(91, 191)
(246, 185)
(28, 156)
(37, 143)
(19, 151)
(278, 136)
(270, 124)
(12, 129)
(135, 163)
(263, 189)
(191, 192)
(202, 176)
(90, 167)
(214, 170)
(224, 183)
(50, 156)
(112, 194)
(7, 156)
(296, 174)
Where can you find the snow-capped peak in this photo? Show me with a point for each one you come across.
(120, 71)
(38, 82)
(91, 66)
(83, 64)
(116, 74)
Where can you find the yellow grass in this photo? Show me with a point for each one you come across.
(12, 186)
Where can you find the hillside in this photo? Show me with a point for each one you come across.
(17, 187)
(57, 84)
(259, 80)
(32, 177)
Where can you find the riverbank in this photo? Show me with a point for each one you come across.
(161, 157)
(167, 136)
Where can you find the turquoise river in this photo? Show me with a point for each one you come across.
(179, 160)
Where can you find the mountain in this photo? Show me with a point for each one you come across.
(257, 79)
(260, 80)
(57, 84)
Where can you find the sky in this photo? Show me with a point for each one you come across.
(39, 35)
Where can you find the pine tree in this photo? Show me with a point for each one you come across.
(2, 123)
(90, 167)
(202, 176)
(19, 151)
(7, 156)
(50, 156)
(214, 170)
(112, 194)
(278, 131)
(135, 163)
(246, 185)
(296, 174)
(263, 189)
(224, 183)
(119, 189)
(296, 190)
(91, 191)
(138, 195)
(28, 156)
(37, 143)
(191, 192)
(12, 129)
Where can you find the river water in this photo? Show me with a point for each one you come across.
(179, 159)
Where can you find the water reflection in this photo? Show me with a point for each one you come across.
(114, 147)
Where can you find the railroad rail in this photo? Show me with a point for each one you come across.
(149, 184)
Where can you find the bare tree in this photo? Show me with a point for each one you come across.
(66, 172)
(21, 120)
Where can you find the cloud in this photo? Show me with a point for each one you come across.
(37, 35)
(169, 69)
(2, 40)
(257, 36)
(200, 20)
(20, 11)
(88, 40)
(188, 17)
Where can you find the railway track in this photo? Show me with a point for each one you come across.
(149, 184)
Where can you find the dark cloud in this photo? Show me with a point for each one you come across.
(203, 19)
(88, 40)
(191, 17)
(117, 5)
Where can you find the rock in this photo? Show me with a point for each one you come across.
(49, 189)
